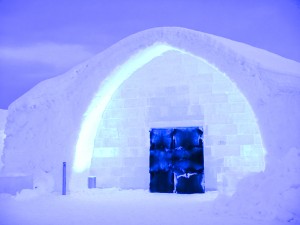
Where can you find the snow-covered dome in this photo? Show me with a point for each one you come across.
(68, 118)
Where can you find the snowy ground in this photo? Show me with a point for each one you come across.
(112, 206)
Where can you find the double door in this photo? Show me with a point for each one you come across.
(176, 160)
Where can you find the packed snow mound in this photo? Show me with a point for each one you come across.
(273, 194)
(262, 58)
(3, 115)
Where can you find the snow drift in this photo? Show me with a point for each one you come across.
(3, 114)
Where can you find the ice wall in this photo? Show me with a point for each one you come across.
(44, 124)
(175, 90)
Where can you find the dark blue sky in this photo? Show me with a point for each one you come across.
(40, 39)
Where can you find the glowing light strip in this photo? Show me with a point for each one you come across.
(92, 117)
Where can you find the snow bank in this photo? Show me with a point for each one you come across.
(3, 115)
(272, 195)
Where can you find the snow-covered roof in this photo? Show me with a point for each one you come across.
(227, 55)
(3, 114)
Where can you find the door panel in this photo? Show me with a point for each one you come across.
(176, 160)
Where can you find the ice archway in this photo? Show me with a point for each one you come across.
(247, 150)
(85, 143)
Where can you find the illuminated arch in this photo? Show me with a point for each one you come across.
(92, 117)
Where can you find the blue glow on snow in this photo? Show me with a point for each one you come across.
(105, 152)
(92, 117)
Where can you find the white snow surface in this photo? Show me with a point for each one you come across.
(3, 115)
(43, 125)
(113, 206)
(269, 198)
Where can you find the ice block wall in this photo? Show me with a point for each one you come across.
(172, 90)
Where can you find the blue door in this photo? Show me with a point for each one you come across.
(176, 160)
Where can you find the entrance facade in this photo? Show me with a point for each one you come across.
(176, 90)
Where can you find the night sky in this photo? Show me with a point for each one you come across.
(40, 39)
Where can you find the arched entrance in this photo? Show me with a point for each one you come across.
(163, 86)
